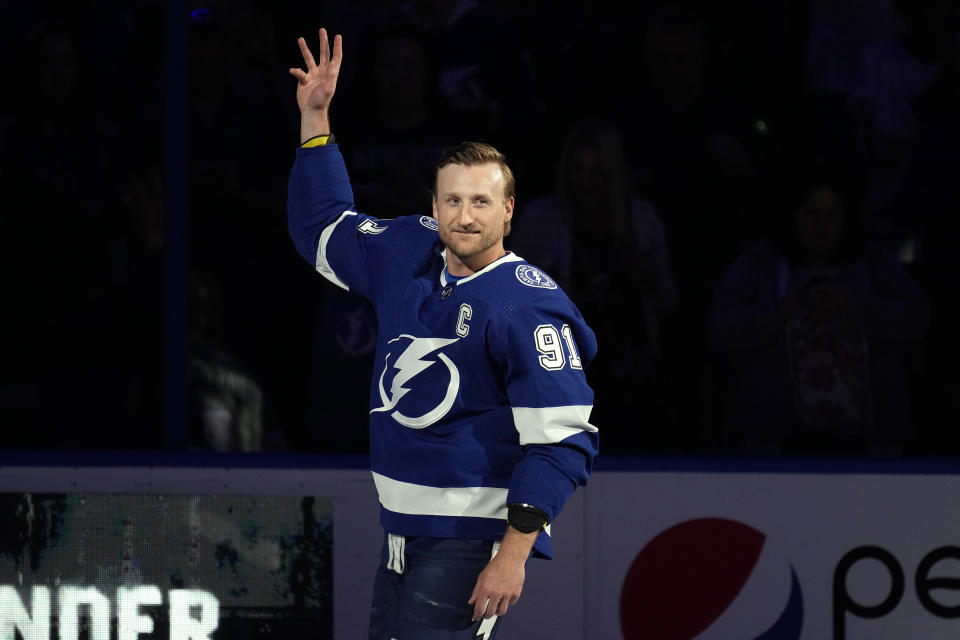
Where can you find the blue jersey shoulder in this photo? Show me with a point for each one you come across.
(521, 297)
(421, 226)
(523, 286)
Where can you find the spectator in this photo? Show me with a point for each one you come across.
(63, 84)
(237, 187)
(399, 127)
(565, 40)
(70, 341)
(691, 149)
(488, 85)
(605, 247)
(891, 75)
(840, 34)
(226, 408)
(815, 328)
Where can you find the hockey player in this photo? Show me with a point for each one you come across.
(479, 407)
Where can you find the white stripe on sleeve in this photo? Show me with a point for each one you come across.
(546, 425)
(418, 499)
(323, 267)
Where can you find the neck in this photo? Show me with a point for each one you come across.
(461, 267)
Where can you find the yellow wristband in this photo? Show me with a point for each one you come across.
(318, 141)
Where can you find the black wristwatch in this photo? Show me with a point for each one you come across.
(526, 518)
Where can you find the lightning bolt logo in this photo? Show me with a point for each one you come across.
(533, 277)
(409, 364)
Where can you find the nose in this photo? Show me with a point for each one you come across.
(466, 215)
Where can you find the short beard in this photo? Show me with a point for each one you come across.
(483, 242)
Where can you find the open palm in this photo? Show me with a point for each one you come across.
(317, 85)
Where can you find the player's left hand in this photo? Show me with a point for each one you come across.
(498, 586)
(316, 85)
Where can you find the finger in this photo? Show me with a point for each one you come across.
(502, 609)
(480, 607)
(493, 609)
(324, 47)
(337, 52)
(476, 592)
(298, 74)
(307, 56)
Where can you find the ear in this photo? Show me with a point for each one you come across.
(435, 208)
(508, 209)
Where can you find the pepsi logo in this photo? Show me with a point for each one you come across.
(711, 579)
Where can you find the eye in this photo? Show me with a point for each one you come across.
(453, 200)
(481, 201)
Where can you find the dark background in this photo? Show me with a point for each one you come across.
(152, 298)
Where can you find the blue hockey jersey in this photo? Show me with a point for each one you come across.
(478, 397)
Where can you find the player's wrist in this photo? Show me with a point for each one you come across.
(526, 518)
(313, 123)
(319, 140)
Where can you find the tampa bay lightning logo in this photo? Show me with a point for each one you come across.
(429, 223)
(533, 277)
(411, 362)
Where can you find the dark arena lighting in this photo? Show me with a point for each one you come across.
(201, 14)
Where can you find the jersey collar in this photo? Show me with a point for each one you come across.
(509, 257)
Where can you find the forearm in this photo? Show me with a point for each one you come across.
(516, 546)
(318, 193)
(548, 475)
(313, 122)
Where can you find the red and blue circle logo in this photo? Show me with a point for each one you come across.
(684, 581)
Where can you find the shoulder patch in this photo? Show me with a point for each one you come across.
(429, 223)
(533, 277)
(370, 227)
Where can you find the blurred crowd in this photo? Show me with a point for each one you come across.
(753, 204)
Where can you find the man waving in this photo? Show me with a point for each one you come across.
(479, 405)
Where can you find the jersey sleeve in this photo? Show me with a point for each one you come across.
(543, 349)
(348, 248)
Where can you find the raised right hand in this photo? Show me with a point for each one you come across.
(317, 85)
